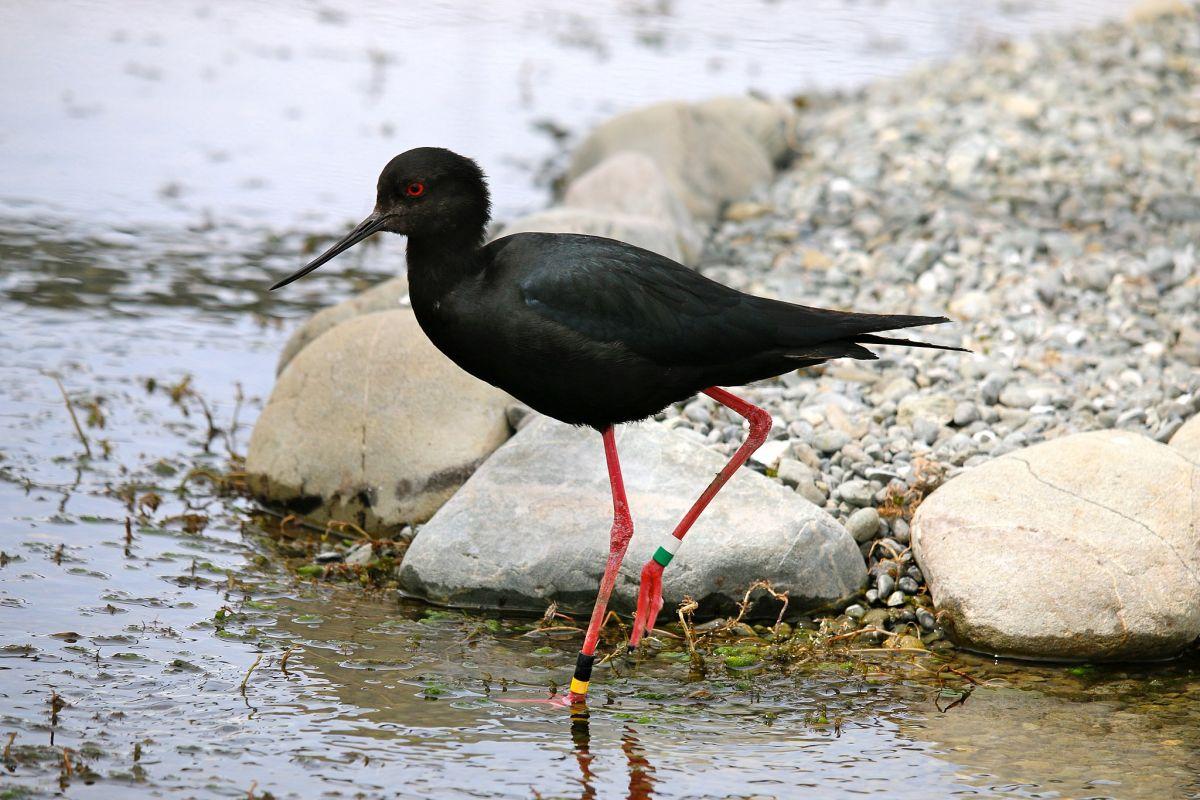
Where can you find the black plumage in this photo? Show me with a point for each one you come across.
(586, 329)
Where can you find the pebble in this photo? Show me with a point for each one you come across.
(830, 441)
(857, 493)
(855, 611)
(328, 557)
(360, 555)
(965, 413)
(925, 619)
(895, 599)
(863, 524)
(884, 585)
(907, 585)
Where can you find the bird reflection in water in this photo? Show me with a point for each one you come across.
(641, 773)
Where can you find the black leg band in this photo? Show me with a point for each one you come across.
(583, 674)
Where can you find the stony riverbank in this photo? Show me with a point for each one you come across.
(1045, 195)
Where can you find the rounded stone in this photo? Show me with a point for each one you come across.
(359, 427)
(863, 524)
(1187, 439)
(386, 296)
(631, 184)
(531, 526)
(709, 157)
(1081, 548)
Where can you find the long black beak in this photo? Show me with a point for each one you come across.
(360, 232)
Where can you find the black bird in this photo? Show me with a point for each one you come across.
(593, 331)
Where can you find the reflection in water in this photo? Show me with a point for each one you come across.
(641, 774)
(581, 736)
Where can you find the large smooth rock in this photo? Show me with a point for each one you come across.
(386, 296)
(371, 423)
(629, 183)
(1082, 548)
(709, 157)
(532, 525)
(1187, 439)
(771, 123)
(652, 234)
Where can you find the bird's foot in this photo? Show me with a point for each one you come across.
(567, 699)
(649, 603)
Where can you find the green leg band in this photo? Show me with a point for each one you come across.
(663, 556)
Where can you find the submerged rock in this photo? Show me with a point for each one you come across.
(1084, 547)
(358, 426)
(385, 296)
(531, 526)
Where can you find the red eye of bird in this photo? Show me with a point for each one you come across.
(415, 189)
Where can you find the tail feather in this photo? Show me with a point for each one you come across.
(869, 339)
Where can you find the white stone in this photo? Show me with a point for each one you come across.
(1081, 548)
(372, 424)
(709, 158)
(628, 183)
(386, 296)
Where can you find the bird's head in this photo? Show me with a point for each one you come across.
(427, 192)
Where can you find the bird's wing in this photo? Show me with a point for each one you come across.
(612, 292)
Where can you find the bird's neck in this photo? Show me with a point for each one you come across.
(436, 264)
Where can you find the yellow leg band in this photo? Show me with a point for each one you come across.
(578, 687)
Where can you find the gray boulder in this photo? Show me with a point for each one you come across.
(709, 157)
(531, 526)
(770, 123)
(385, 296)
(1080, 548)
(358, 426)
(652, 234)
(1187, 441)
(631, 184)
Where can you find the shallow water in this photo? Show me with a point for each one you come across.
(158, 164)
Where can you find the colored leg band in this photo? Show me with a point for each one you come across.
(583, 673)
(663, 556)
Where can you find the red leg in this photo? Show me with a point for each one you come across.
(622, 532)
(650, 593)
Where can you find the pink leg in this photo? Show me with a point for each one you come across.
(650, 594)
(622, 532)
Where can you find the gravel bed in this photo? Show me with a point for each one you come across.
(1044, 195)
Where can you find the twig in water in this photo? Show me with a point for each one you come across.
(744, 606)
(959, 673)
(128, 536)
(71, 410)
(858, 632)
(283, 661)
(685, 613)
(231, 434)
(548, 617)
(57, 704)
(246, 679)
(8, 745)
